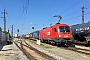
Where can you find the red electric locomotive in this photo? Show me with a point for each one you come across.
(57, 34)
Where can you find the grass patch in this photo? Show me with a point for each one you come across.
(6, 55)
(9, 42)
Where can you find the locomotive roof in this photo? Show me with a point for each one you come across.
(56, 24)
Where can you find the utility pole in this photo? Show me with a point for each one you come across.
(12, 30)
(18, 32)
(83, 14)
(4, 19)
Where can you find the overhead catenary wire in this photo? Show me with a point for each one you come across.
(64, 16)
(72, 13)
(8, 21)
(2, 4)
(76, 16)
(52, 19)
(68, 18)
(44, 23)
(24, 9)
(71, 6)
(4, 16)
(65, 11)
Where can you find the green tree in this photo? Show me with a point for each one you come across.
(6, 32)
(0, 29)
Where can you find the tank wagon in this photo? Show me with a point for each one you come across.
(81, 33)
(57, 34)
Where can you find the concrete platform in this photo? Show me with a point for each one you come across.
(11, 52)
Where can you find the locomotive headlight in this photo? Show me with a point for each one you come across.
(71, 36)
(66, 36)
(59, 35)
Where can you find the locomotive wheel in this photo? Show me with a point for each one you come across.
(87, 44)
(42, 41)
(52, 43)
(70, 45)
(48, 42)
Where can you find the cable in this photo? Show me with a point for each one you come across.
(2, 4)
(52, 19)
(67, 10)
(43, 23)
(76, 16)
(71, 6)
(71, 13)
(72, 18)
(24, 8)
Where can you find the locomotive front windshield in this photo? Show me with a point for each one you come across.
(64, 29)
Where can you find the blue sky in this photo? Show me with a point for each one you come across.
(24, 14)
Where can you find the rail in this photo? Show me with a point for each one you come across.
(29, 56)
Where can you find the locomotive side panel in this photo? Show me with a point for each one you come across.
(48, 33)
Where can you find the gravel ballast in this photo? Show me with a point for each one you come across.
(11, 52)
(59, 53)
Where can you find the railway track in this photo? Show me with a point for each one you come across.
(81, 49)
(30, 57)
(32, 53)
(76, 49)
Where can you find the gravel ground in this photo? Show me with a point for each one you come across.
(11, 52)
(60, 54)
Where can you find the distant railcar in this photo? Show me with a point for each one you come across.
(27, 36)
(81, 33)
(23, 36)
(34, 35)
(57, 34)
(31, 35)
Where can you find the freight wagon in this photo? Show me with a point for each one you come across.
(81, 33)
(34, 35)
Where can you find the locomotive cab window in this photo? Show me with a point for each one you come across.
(55, 30)
(64, 29)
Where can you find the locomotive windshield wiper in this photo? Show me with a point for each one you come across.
(64, 30)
